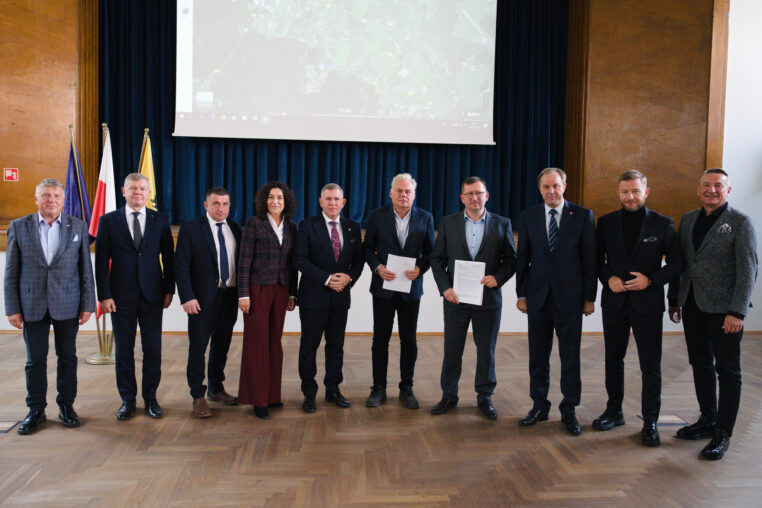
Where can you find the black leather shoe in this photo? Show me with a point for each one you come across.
(308, 406)
(534, 416)
(376, 397)
(608, 421)
(487, 408)
(68, 416)
(717, 447)
(703, 428)
(572, 425)
(407, 397)
(32, 420)
(649, 436)
(338, 399)
(444, 405)
(275, 405)
(153, 409)
(261, 412)
(125, 412)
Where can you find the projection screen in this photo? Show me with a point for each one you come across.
(415, 71)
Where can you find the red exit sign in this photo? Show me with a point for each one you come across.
(11, 174)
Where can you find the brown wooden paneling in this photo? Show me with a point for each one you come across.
(38, 55)
(648, 103)
(88, 125)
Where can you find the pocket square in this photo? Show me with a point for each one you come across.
(650, 239)
(76, 238)
(725, 228)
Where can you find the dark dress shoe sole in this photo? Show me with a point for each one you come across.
(308, 408)
(343, 404)
(410, 404)
(529, 421)
(374, 403)
(153, 415)
(695, 436)
(275, 405)
(31, 430)
(609, 425)
(440, 410)
(69, 425)
(653, 443)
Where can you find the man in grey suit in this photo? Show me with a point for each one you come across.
(472, 235)
(719, 247)
(49, 280)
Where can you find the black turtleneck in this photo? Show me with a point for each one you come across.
(704, 223)
(631, 224)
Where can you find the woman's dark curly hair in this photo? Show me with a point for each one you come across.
(260, 201)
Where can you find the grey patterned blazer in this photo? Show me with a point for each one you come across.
(65, 287)
(723, 270)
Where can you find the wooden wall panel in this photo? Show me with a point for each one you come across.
(49, 62)
(647, 99)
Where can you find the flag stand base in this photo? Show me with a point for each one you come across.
(99, 359)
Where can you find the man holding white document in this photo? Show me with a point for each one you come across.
(474, 255)
(398, 243)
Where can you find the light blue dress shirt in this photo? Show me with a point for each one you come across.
(474, 233)
(50, 236)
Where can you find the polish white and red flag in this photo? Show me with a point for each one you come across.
(105, 195)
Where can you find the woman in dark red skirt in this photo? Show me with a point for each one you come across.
(266, 289)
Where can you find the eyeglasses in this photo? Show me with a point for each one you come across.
(474, 194)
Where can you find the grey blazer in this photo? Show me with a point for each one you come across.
(723, 270)
(497, 250)
(64, 288)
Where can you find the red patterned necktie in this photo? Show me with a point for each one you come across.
(335, 242)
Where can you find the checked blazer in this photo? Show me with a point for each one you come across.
(263, 260)
(64, 287)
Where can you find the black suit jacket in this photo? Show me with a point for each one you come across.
(570, 270)
(381, 240)
(657, 239)
(134, 272)
(197, 270)
(313, 256)
(497, 250)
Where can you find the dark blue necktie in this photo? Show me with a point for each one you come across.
(224, 268)
(552, 230)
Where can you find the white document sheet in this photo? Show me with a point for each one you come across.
(398, 265)
(467, 281)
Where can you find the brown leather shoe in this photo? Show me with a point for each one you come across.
(222, 397)
(201, 408)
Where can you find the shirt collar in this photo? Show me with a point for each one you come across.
(40, 219)
(130, 210)
(407, 216)
(559, 209)
(715, 213)
(483, 218)
(328, 220)
(212, 221)
(272, 221)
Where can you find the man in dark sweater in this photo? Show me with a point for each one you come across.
(632, 242)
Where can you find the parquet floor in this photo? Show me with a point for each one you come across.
(385, 456)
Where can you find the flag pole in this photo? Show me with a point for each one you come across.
(103, 356)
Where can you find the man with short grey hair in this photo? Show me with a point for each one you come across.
(49, 281)
(134, 271)
(398, 229)
(719, 246)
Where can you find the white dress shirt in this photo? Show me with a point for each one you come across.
(131, 218)
(559, 212)
(278, 229)
(403, 226)
(230, 246)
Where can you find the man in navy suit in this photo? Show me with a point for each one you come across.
(134, 272)
(472, 235)
(632, 243)
(555, 284)
(328, 252)
(49, 281)
(205, 272)
(402, 230)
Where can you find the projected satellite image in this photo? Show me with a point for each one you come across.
(392, 58)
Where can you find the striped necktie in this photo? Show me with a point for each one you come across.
(552, 230)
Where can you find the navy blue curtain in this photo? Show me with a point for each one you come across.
(137, 90)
